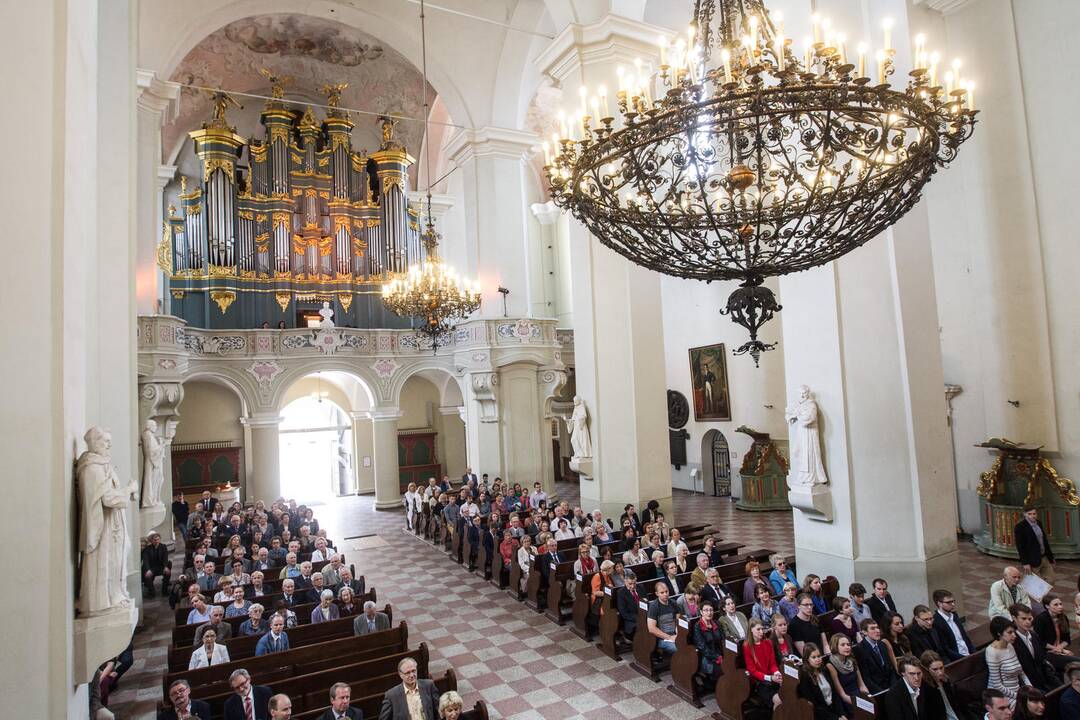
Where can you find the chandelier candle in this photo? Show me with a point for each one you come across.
(754, 162)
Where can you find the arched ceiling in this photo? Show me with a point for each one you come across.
(313, 51)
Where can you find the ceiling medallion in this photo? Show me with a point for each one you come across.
(754, 160)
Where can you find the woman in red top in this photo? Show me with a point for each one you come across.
(507, 547)
(761, 664)
(782, 642)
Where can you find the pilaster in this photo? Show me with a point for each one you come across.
(262, 459)
(384, 422)
(363, 451)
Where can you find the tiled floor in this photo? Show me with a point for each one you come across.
(523, 665)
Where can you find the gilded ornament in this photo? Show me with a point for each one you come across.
(346, 301)
(988, 481)
(279, 132)
(224, 164)
(297, 159)
(221, 271)
(164, 251)
(247, 274)
(282, 300)
(223, 298)
(260, 217)
(281, 220)
(326, 245)
(178, 294)
(324, 162)
(246, 214)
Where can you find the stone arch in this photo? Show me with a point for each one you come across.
(295, 373)
(433, 370)
(226, 379)
(714, 438)
(189, 24)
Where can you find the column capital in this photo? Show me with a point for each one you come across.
(386, 414)
(450, 409)
(440, 204)
(165, 175)
(261, 420)
(156, 95)
(945, 7)
(613, 40)
(546, 213)
(491, 142)
(360, 414)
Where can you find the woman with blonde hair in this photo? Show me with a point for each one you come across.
(450, 705)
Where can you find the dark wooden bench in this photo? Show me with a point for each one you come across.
(559, 602)
(184, 635)
(244, 647)
(269, 669)
(309, 691)
(371, 703)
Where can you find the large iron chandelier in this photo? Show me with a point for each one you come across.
(756, 161)
(431, 293)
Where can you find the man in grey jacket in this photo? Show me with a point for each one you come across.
(370, 621)
(413, 693)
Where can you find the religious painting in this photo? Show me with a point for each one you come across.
(708, 379)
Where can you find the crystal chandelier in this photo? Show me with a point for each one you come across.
(431, 292)
(756, 160)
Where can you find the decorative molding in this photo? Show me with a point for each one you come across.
(261, 420)
(945, 7)
(484, 386)
(159, 96)
(440, 204)
(546, 213)
(467, 145)
(615, 39)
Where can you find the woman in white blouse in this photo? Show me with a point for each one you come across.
(635, 555)
(675, 543)
(1004, 671)
(209, 653)
(525, 555)
(564, 532)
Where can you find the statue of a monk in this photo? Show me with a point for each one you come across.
(807, 468)
(103, 533)
(153, 448)
(578, 425)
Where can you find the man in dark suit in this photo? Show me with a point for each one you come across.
(469, 475)
(370, 620)
(181, 704)
(881, 602)
(1033, 546)
(921, 632)
(395, 704)
(208, 581)
(347, 580)
(1069, 706)
(951, 634)
(1031, 650)
(626, 601)
(248, 701)
(289, 594)
(905, 700)
(155, 563)
(340, 695)
(713, 591)
(873, 659)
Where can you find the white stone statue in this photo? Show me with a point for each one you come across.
(327, 315)
(103, 535)
(153, 476)
(578, 425)
(806, 466)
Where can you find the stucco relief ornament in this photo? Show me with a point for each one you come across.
(385, 368)
(807, 469)
(153, 465)
(103, 536)
(264, 371)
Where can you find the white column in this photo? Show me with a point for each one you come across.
(158, 103)
(526, 441)
(497, 242)
(483, 441)
(618, 332)
(384, 422)
(262, 457)
(554, 266)
(452, 445)
(363, 451)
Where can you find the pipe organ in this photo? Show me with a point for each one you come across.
(307, 220)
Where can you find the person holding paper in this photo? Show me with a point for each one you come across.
(1007, 591)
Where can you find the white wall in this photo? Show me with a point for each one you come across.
(691, 319)
(209, 413)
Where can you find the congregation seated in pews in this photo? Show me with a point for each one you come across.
(292, 633)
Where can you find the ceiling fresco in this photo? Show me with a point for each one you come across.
(313, 52)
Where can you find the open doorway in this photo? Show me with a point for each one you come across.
(315, 446)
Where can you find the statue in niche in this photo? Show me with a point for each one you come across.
(578, 425)
(153, 465)
(807, 469)
(103, 535)
(327, 315)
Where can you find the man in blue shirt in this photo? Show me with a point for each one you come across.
(274, 641)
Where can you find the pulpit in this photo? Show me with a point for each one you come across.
(763, 474)
(1020, 476)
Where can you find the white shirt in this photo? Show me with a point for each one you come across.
(319, 555)
(673, 548)
(914, 694)
(950, 620)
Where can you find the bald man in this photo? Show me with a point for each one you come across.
(1007, 591)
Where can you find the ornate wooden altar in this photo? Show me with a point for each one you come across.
(204, 466)
(763, 474)
(1021, 476)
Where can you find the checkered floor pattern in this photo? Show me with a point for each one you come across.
(524, 666)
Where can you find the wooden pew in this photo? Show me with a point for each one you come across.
(559, 604)
(579, 613)
(792, 706)
(684, 665)
(310, 690)
(184, 635)
(644, 647)
(299, 636)
(268, 669)
(733, 686)
(370, 704)
(612, 641)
